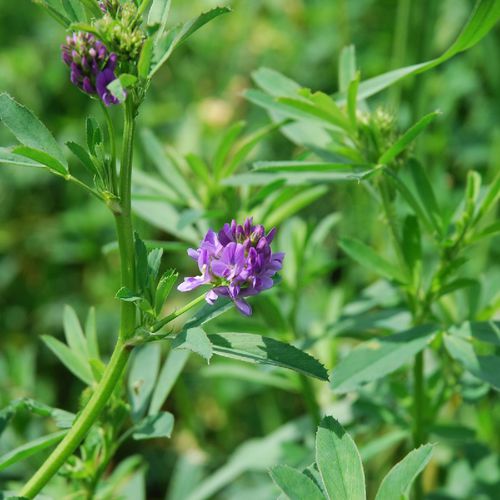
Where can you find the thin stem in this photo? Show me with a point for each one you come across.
(391, 219)
(84, 186)
(114, 371)
(419, 402)
(167, 319)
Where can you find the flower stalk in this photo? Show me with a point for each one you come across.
(121, 353)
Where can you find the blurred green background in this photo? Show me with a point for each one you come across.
(52, 235)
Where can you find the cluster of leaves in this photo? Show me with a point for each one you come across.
(338, 471)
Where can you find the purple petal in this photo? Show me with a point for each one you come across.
(104, 78)
(191, 283)
(211, 297)
(243, 306)
(194, 254)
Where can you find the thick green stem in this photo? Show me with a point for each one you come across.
(82, 425)
(114, 371)
(124, 227)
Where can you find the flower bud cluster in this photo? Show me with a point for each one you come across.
(92, 66)
(120, 30)
(237, 261)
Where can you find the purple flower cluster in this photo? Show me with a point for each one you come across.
(92, 67)
(237, 261)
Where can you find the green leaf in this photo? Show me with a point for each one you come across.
(397, 482)
(254, 348)
(328, 119)
(367, 257)
(295, 204)
(426, 194)
(225, 145)
(410, 198)
(74, 333)
(41, 157)
(164, 288)
(412, 245)
(485, 331)
(172, 368)
(83, 156)
(339, 462)
(186, 31)
(154, 262)
(167, 167)
(484, 368)
(199, 167)
(28, 129)
(93, 134)
(91, 335)
(347, 67)
(352, 101)
(244, 147)
(274, 83)
(484, 16)
(154, 426)
(195, 340)
(376, 358)
(158, 16)
(10, 158)
(142, 377)
(294, 484)
(455, 285)
(164, 216)
(74, 10)
(407, 138)
(489, 199)
(144, 64)
(72, 361)
(311, 166)
(55, 11)
(142, 268)
(30, 448)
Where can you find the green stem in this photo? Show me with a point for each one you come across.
(167, 319)
(391, 219)
(84, 186)
(84, 422)
(114, 371)
(419, 412)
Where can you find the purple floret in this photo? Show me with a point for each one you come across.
(237, 261)
(92, 67)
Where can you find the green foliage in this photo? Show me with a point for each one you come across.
(388, 227)
(39, 144)
(338, 462)
(338, 471)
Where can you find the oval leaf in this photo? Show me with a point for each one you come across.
(257, 349)
(294, 484)
(28, 129)
(399, 479)
(339, 462)
(376, 358)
